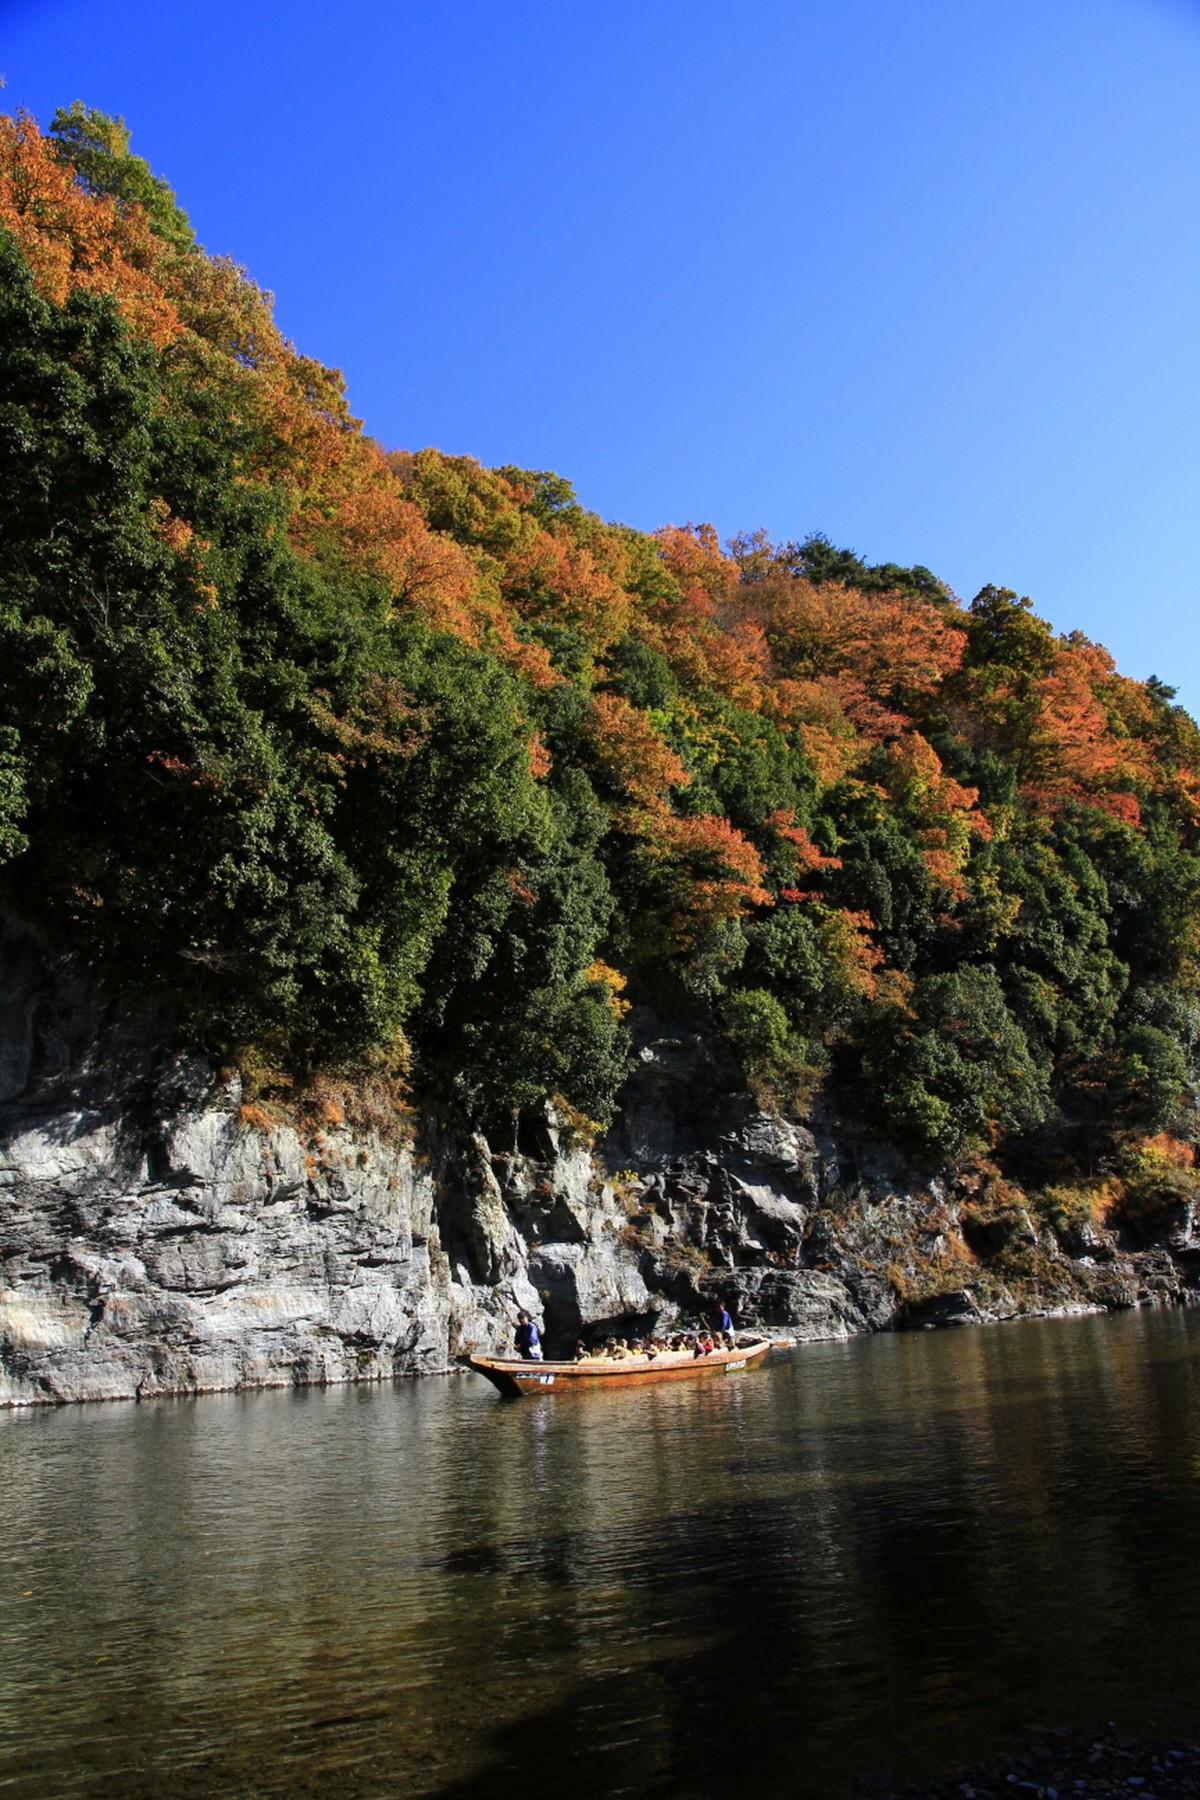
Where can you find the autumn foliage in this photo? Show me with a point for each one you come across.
(434, 754)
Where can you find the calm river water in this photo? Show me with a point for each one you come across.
(896, 1552)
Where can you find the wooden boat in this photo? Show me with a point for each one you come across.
(514, 1376)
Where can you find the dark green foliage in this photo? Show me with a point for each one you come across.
(552, 496)
(819, 560)
(643, 675)
(959, 1071)
(775, 1059)
(882, 872)
(1148, 1075)
(788, 957)
(167, 829)
(756, 774)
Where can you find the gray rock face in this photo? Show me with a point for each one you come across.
(158, 1237)
(809, 1304)
(225, 1257)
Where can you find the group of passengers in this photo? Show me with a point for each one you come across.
(721, 1336)
(615, 1349)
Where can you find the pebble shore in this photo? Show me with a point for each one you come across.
(1064, 1765)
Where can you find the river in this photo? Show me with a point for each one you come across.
(899, 1552)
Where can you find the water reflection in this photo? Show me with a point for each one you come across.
(891, 1552)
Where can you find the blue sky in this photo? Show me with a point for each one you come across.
(919, 274)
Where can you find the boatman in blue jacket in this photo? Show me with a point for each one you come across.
(527, 1338)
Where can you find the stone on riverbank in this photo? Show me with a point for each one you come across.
(1096, 1764)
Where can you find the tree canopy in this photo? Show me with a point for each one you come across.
(391, 757)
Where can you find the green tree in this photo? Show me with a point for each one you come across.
(97, 148)
(959, 1073)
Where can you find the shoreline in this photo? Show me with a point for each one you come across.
(1060, 1763)
(27, 1403)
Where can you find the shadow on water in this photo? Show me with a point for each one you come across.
(896, 1552)
(869, 1627)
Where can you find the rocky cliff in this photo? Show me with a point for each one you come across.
(157, 1236)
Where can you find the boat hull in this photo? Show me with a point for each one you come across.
(514, 1377)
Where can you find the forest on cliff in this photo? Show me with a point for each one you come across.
(384, 761)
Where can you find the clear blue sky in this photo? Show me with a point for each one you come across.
(919, 274)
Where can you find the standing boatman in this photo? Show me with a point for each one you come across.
(721, 1319)
(527, 1338)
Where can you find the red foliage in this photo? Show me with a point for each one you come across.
(71, 239)
(540, 761)
(946, 814)
(702, 629)
(717, 873)
(634, 759)
(884, 651)
(1078, 747)
(564, 582)
(519, 887)
(807, 858)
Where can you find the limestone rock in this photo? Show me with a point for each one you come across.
(582, 1285)
(808, 1304)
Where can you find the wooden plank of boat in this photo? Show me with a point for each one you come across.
(514, 1376)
